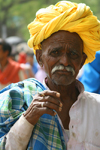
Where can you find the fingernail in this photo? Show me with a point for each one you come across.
(58, 94)
(61, 104)
(60, 108)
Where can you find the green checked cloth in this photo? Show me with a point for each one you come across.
(14, 100)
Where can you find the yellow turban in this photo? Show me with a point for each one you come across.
(70, 17)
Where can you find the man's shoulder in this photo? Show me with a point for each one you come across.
(30, 84)
(92, 97)
(35, 82)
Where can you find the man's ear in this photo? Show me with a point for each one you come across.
(39, 57)
(83, 59)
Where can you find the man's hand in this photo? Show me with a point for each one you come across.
(43, 103)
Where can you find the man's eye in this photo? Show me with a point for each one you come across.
(73, 55)
(55, 53)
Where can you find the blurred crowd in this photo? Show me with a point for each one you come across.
(18, 62)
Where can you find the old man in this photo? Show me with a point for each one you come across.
(57, 114)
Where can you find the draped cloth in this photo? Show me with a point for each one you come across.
(14, 101)
(70, 17)
(10, 73)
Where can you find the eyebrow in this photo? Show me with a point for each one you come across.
(57, 48)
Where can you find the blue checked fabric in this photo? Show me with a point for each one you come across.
(14, 100)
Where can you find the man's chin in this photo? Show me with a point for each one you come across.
(62, 82)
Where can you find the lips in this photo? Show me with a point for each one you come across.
(63, 72)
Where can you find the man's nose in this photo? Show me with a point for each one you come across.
(65, 60)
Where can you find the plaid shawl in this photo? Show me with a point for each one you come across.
(14, 100)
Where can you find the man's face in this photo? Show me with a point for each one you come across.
(2, 53)
(62, 49)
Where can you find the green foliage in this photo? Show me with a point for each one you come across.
(17, 14)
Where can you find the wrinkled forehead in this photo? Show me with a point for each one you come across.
(63, 37)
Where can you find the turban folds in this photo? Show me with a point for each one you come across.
(70, 17)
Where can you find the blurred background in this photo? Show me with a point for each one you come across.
(15, 15)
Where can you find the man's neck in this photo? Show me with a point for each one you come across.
(66, 92)
(68, 96)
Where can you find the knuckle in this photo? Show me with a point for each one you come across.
(47, 104)
(47, 97)
(54, 92)
(45, 92)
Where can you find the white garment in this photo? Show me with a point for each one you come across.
(84, 126)
(19, 135)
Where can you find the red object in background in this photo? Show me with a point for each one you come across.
(22, 58)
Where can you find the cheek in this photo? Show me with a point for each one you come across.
(48, 65)
(77, 65)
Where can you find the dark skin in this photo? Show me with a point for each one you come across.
(3, 58)
(61, 48)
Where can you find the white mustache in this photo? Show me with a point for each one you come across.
(61, 67)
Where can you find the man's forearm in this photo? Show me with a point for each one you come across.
(19, 135)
